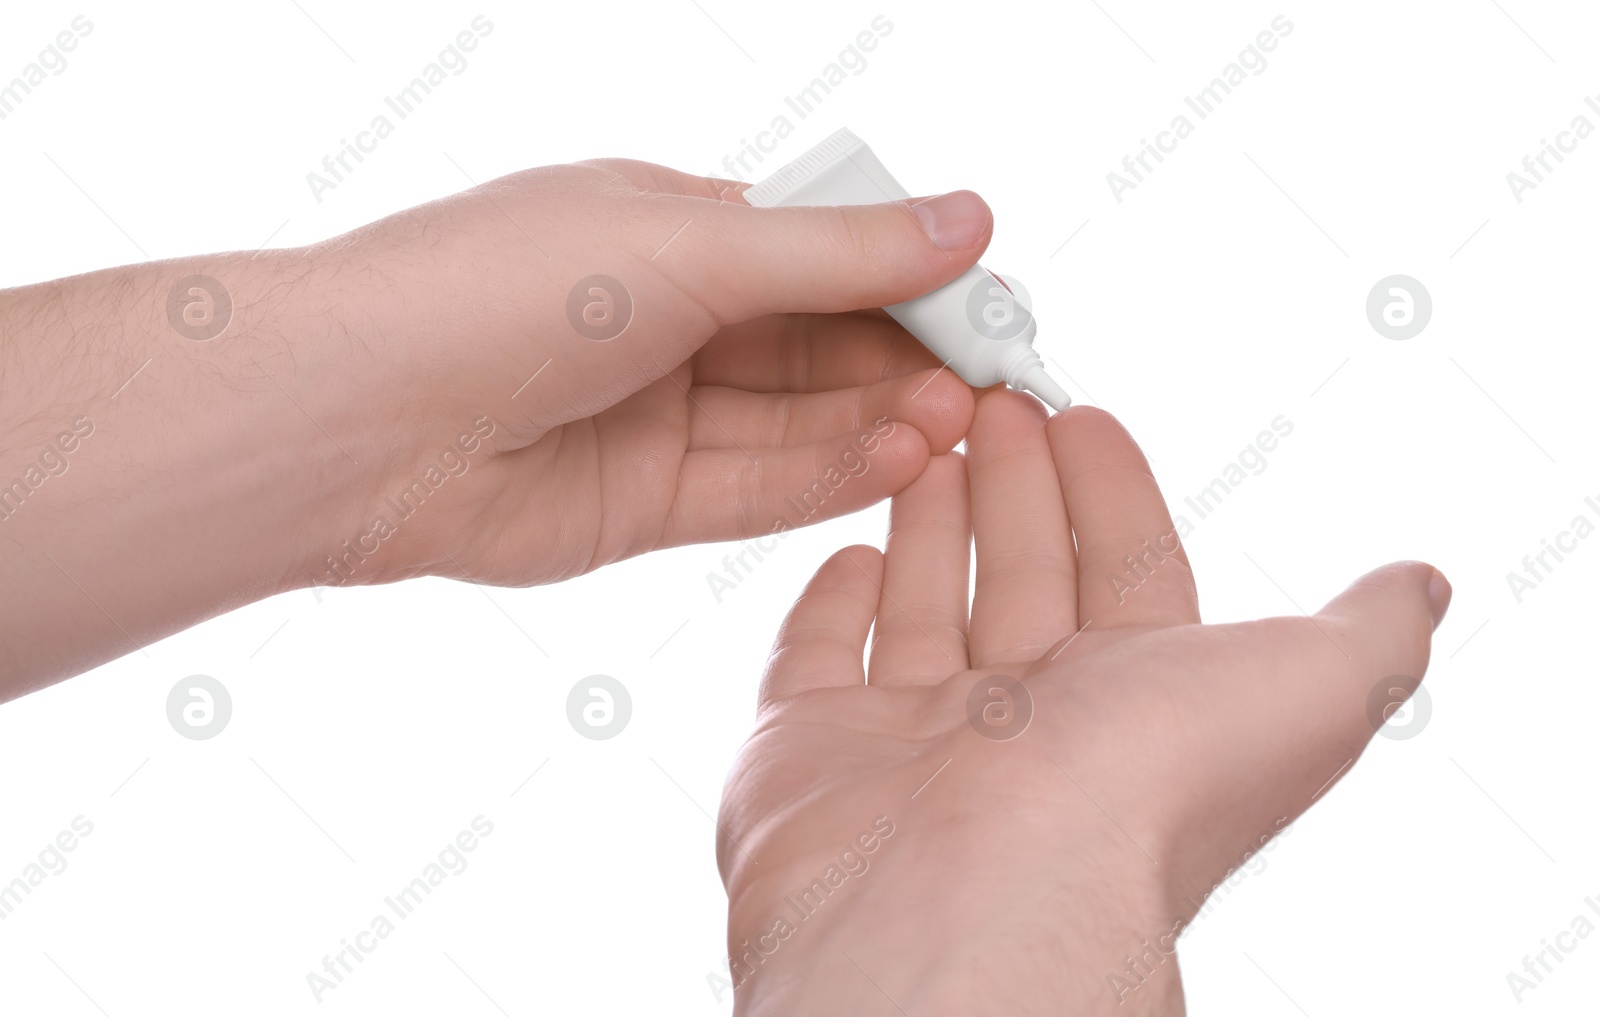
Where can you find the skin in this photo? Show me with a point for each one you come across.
(1022, 876)
(218, 471)
(178, 477)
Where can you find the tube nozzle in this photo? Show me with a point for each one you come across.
(1035, 380)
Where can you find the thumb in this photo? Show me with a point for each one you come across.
(1384, 621)
(756, 261)
(1303, 698)
(1366, 652)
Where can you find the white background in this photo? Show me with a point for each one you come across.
(370, 726)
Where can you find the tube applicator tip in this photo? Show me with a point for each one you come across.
(1042, 385)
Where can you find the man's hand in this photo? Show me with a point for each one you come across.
(697, 390)
(518, 384)
(1018, 812)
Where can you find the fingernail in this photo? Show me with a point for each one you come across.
(1439, 594)
(953, 220)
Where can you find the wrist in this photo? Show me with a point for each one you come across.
(192, 443)
(295, 424)
(326, 370)
(1035, 924)
(362, 443)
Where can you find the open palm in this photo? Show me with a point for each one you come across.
(1018, 809)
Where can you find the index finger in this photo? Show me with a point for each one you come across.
(1132, 569)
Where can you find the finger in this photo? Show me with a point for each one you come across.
(740, 262)
(810, 353)
(822, 641)
(1312, 691)
(1278, 710)
(1132, 569)
(733, 493)
(936, 403)
(627, 282)
(921, 636)
(1026, 594)
(1383, 624)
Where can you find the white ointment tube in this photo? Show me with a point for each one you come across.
(974, 324)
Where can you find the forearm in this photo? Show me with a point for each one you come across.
(358, 378)
(152, 476)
